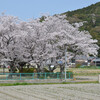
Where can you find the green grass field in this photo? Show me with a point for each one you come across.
(85, 71)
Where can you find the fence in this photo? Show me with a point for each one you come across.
(32, 76)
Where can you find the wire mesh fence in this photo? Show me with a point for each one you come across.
(32, 76)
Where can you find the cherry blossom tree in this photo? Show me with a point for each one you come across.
(60, 34)
(8, 45)
(39, 41)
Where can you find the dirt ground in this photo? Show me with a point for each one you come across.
(51, 92)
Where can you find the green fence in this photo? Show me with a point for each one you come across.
(32, 76)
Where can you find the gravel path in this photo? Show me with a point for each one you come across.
(51, 92)
(95, 78)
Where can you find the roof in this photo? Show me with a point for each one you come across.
(81, 57)
(98, 59)
(92, 58)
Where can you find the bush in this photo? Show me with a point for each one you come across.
(27, 70)
(69, 74)
(78, 65)
(45, 70)
(56, 75)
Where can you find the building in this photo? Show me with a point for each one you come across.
(96, 62)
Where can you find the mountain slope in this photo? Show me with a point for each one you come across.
(91, 14)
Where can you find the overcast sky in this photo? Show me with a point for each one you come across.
(26, 9)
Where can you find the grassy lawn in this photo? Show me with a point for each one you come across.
(15, 84)
(85, 71)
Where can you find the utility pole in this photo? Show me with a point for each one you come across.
(65, 61)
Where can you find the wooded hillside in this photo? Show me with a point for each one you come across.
(91, 14)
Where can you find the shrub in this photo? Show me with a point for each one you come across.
(78, 65)
(69, 74)
(45, 70)
(27, 70)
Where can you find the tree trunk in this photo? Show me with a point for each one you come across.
(61, 71)
(38, 70)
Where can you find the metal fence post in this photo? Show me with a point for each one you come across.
(6, 77)
(57, 75)
(20, 76)
(69, 75)
(45, 75)
(33, 76)
(65, 61)
(99, 78)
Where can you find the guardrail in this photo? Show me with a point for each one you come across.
(32, 76)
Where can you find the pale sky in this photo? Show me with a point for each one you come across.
(26, 9)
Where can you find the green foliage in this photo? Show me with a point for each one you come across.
(27, 70)
(42, 18)
(45, 70)
(78, 65)
(92, 67)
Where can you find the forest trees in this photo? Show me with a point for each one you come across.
(38, 41)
